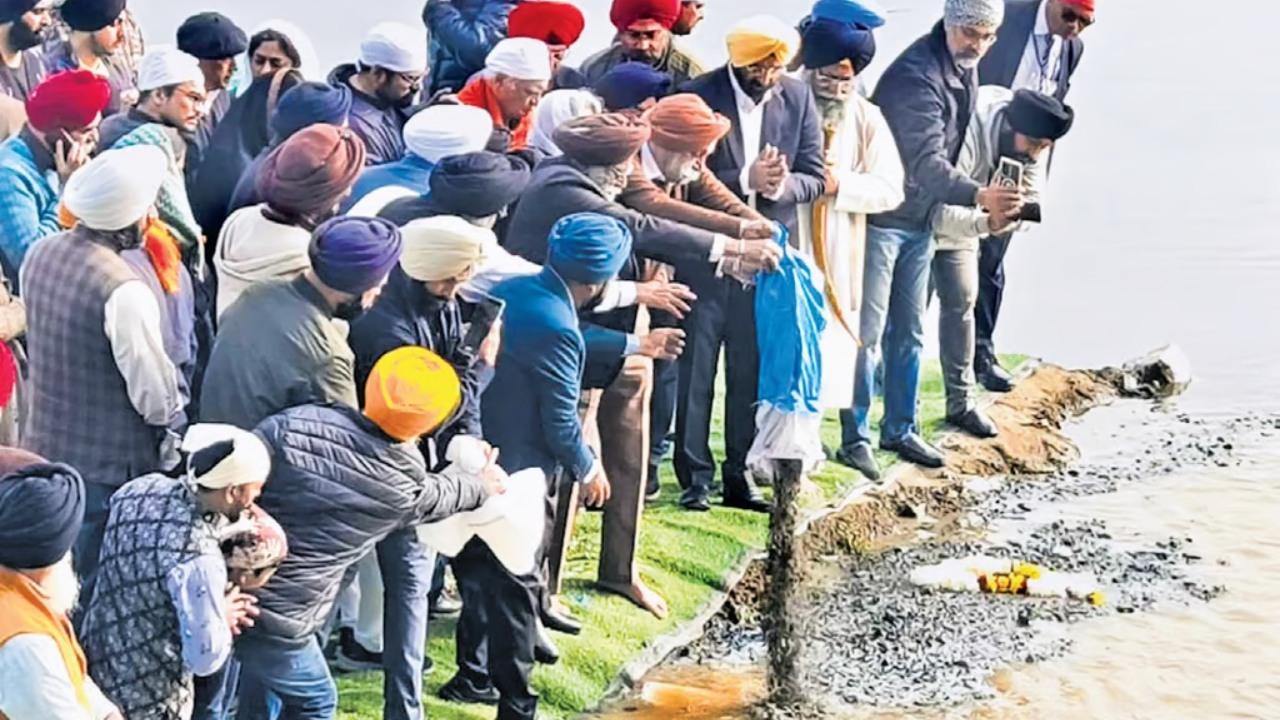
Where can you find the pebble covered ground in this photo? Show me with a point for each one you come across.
(874, 639)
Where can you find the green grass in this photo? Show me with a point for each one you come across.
(683, 556)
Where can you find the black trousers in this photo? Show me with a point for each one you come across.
(662, 411)
(990, 295)
(724, 317)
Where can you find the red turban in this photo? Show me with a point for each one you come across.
(626, 13)
(685, 123)
(1086, 5)
(554, 23)
(69, 100)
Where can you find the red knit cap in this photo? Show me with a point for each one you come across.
(68, 100)
(626, 13)
(554, 23)
(1086, 5)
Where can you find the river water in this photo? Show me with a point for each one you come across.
(1160, 227)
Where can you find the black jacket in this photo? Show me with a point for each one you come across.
(338, 486)
(1000, 65)
(379, 124)
(928, 101)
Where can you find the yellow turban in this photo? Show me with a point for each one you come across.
(759, 37)
(442, 248)
(411, 392)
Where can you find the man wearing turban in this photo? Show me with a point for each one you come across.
(559, 25)
(61, 133)
(41, 512)
(632, 85)
(385, 82)
(105, 396)
(517, 73)
(326, 460)
(22, 25)
(278, 346)
(96, 43)
(864, 176)
(644, 35)
(1039, 48)
(772, 160)
(162, 590)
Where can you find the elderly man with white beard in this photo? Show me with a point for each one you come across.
(864, 176)
(41, 511)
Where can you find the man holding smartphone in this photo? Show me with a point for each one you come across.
(1005, 146)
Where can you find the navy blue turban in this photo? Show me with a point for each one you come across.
(827, 42)
(478, 184)
(12, 10)
(211, 36)
(90, 15)
(353, 255)
(41, 511)
(588, 248)
(850, 12)
(1039, 116)
(627, 85)
(309, 103)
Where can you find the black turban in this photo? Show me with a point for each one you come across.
(478, 184)
(827, 42)
(1039, 116)
(13, 10)
(41, 511)
(211, 36)
(91, 15)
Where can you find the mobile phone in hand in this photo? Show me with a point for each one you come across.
(488, 310)
(1009, 174)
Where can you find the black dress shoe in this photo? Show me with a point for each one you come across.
(545, 651)
(752, 502)
(915, 450)
(653, 490)
(860, 458)
(552, 620)
(994, 378)
(695, 502)
(976, 423)
(460, 691)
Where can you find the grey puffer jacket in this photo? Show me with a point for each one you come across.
(338, 486)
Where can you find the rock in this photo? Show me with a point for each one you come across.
(1163, 373)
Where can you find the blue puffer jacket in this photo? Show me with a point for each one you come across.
(338, 486)
(462, 32)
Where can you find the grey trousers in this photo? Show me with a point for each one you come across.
(955, 277)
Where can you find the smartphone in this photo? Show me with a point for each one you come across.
(1009, 173)
(488, 310)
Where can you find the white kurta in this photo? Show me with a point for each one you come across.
(863, 156)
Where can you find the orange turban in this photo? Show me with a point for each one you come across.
(685, 123)
(411, 392)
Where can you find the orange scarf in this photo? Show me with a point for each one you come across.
(158, 243)
(479, 93)
(27, 612)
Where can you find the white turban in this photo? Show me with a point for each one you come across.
(395, 47)
(443, 130)
(554, 109)
(520, 58)
(443, 247)
(166, 65)
(237, 457)
(117, 188)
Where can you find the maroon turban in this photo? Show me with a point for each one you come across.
(69, 101)
(554, 23)
(685, 123)
(311, 171)
(602, 140)
(626, 13)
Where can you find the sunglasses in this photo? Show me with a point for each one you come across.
(1071, 17)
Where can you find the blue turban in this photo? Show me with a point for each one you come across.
(13, 10)
(627, 85)
(41, 511)
(589, 248)
(211, 36)
(309, 103)
(868, 15)
(827, 42)
(354, 255)
(478, 184)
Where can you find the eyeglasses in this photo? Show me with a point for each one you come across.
(836, 79)
(1071, 17)
(976, 35)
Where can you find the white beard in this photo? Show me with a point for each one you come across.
(968, 63)
(62, 586)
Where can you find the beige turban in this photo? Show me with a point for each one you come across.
(443, 247)
(760, 37)
(223, 456)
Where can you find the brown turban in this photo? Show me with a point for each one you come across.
(308, 173)
(602, 140)
(684, 123)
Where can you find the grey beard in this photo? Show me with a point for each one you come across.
(833, 112)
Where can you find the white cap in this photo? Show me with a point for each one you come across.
(117, 188)
(165, 65)
(520, 58)
(246, 459)
(443, 130)
(395, 47)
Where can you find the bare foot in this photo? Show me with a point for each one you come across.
(558, 607)
(638, 593)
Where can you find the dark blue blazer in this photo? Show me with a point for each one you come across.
(530, 409)
(1000, 65)
(791, 124)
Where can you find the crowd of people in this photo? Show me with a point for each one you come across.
(264, 326)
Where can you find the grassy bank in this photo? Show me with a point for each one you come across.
(683, 556)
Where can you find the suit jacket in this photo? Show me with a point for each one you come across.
(704, 203)
(1000, 65)
(790, 124)
(530, 409)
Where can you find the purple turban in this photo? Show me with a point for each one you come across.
(307, 104)
(627, 85)
(588, 248)
(354, 255)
